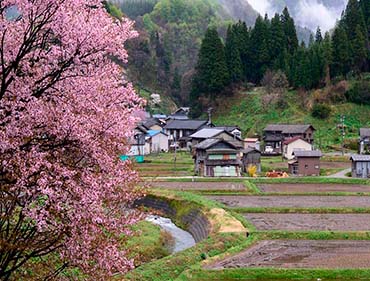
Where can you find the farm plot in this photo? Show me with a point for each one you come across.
(306, 187)
(310, 222)
(293, 201)
(301, 254)
(230, 186)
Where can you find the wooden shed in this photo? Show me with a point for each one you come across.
(305, 163)
(251, 156)
(360, 166)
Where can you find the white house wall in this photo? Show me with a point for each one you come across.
(296, 145)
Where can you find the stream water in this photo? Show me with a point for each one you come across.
(183, 239)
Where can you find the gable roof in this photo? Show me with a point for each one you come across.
(360, 158)
(227, 128)
(152, 133)
(185, 124)
(208, 143)
(307, 153)
(289, 129)
(206, 133)
(291, 140)
(151, 122)
(364, 132)
(251, 149)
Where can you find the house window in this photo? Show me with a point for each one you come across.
(317, 167)
(306, 166)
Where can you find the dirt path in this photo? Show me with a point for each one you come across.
(307, 187)
(294, 201)
(307, 222)
(301, 254)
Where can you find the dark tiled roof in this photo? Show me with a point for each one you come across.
(360, 158)
(185, 124)
(288, 141)
(288, 129)
(250, 149)
(208, 143)
(307, 153)
(364, 132)
(151, 122)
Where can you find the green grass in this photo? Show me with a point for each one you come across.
(318, 180)
(246, 110)
(150, 243)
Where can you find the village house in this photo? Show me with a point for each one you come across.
(305, 163)
(235, 130)
(153, 124)
(252, 143)
(179, 131)
(180, 114)
(251, 157)
(155, 142)
(275, 134)
(364, 142)
(217, 158)
(215, 133)
(294, 144)
(360, 166)
(137, 145)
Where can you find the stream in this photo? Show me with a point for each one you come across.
(183, 239)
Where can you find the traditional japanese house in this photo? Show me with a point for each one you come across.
(305, 163)
(274, 135)
(179, 131)
(217, 158)
(360, 166)
(294, 144)
(215, 133)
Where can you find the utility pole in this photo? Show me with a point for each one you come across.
(343, 132)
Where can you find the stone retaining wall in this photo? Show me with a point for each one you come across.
(193, 221)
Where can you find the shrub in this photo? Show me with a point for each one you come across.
(360, 92)
(252, 170)
(321, 111)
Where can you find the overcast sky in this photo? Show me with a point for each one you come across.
(307, 13)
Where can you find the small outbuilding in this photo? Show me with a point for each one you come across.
(360, 166)
(305, 163)
(251, 157)
(155, 142)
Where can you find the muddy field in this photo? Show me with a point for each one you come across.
(200, 185)
(301, 254)
(293, 201)
(308, 222)
(305, 187)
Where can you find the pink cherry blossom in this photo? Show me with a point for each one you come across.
(66, 114)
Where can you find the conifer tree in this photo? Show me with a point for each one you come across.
(341, 52)
(318, 36)
(277, 44)
(232, 54)
(327, 57)
(211, 70)
(242, 35)
(359, 50)
(290, 31)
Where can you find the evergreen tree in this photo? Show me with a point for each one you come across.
(353, 17)
(318, 36)
(327, 57)
(277, 44)
(211, 70)
(341, 52)
(242, 35)
(290, 31)
(232, 54)
(259, 49)
(359, 50)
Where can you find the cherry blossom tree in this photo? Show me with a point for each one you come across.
(66, 113)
